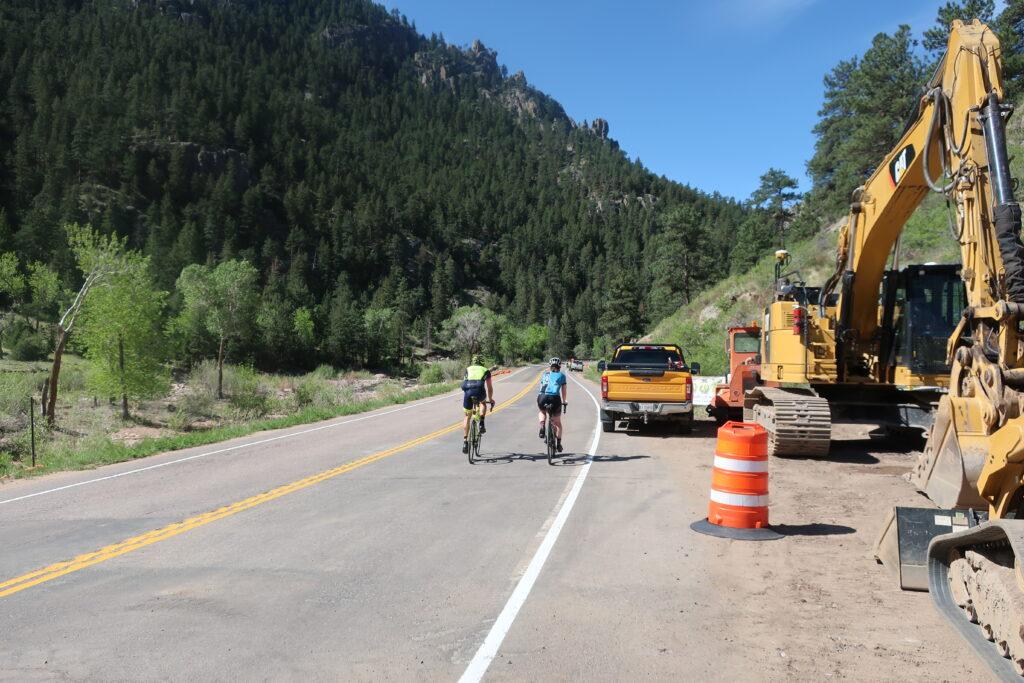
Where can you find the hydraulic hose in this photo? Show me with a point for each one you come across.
(938, 109)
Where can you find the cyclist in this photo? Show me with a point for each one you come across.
(552, 395)
(476, 384)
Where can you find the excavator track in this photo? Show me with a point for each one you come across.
(975, 579)
(797, 424)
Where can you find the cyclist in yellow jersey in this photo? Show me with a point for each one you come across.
(476, 384)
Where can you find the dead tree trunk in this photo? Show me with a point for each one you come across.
(58, 354)
(220, 369)
(124, 383)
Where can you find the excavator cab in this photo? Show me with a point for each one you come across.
(921, 306)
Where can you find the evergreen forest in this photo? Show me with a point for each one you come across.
(378, 181)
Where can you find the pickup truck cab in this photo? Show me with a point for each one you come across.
(646, 383)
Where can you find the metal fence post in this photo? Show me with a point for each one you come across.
(32, 426)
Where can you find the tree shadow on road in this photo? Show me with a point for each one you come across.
(562, 459)
(813, 529)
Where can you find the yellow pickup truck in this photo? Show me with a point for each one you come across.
(646, 383)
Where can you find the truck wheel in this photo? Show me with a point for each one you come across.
(608, 426)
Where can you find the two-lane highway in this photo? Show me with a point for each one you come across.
(365, 547)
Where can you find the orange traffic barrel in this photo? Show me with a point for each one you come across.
(738, 506)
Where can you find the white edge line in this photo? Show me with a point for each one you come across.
(489, 648)
(414, 404)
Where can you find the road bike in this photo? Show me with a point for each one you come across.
(474, 429)
(549, 433)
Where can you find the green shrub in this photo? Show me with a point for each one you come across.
(18, 446)
(15, 388)
(250, 405)
(72, 378)
(6, 464)
(180, 421)
(314, 391)
(324, 371)
(431, 374)
(203, 377)
(441, 371)
(196, 403)
(238, 379)
(30, 347)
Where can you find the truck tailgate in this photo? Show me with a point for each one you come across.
(659, 386)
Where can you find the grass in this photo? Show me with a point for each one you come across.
(90, 431)
(98, 449)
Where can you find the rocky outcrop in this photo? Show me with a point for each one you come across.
(340, 35)
(599, 127)
(201, 159)
(455, 69)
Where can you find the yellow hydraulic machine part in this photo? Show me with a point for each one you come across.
(872, 344)
(973, 463)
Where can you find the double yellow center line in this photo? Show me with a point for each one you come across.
(34, 578)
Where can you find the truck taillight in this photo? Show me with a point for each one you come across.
(604, 387)
(689, 388)
(799, 315)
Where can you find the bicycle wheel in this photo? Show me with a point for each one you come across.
(474, 447)
(472, 439)
(550, 441)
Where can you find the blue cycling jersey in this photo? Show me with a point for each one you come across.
(551, 383)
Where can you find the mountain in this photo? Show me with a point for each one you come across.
(342, 153)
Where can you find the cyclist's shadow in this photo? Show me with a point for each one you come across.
(560, 460)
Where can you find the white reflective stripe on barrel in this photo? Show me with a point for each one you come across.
(739, 499)
(735, 465)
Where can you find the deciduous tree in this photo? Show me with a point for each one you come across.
(223, 299)
(121, 331)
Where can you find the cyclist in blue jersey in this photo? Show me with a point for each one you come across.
(476, 384)
(552, 395)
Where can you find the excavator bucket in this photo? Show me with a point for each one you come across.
(944, 472)
(902, 546)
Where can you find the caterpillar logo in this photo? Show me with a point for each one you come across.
(898, 166)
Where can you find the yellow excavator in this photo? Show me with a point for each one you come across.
(930, 346)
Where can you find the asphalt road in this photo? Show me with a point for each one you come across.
(367, 548)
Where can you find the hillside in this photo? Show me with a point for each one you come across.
(357, 164)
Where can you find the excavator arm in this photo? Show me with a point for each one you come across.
(955, 145)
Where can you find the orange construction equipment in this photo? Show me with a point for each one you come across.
(739, 485)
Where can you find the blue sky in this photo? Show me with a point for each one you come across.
(707, 93)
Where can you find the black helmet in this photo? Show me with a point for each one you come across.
(555, 362)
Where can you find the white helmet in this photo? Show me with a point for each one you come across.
(555, 361)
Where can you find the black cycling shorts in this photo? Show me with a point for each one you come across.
(554, 401)
(469, 394)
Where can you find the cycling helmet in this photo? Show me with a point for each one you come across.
(475, 360)
(555, 361)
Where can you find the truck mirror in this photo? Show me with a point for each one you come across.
(601, 365)
(695, 368)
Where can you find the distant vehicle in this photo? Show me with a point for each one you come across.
(646, 383)
(743, 344)
(576, 365)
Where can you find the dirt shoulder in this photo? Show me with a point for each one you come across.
(816, 604)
